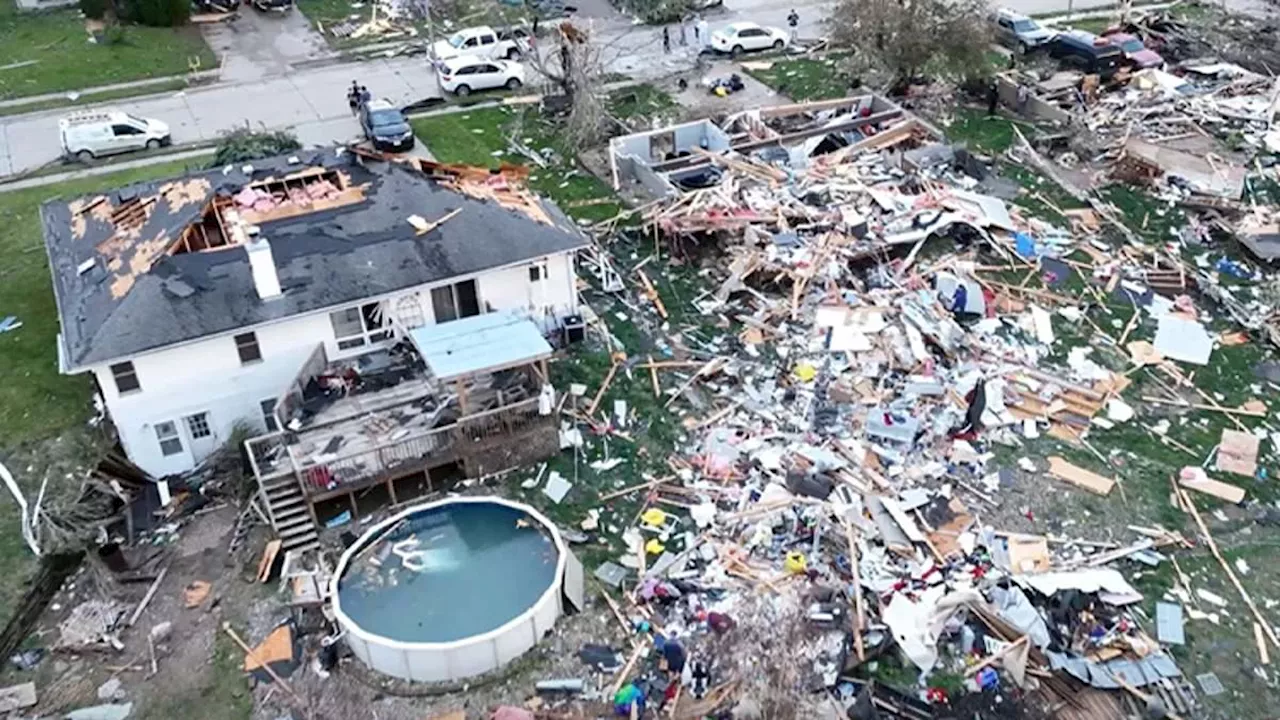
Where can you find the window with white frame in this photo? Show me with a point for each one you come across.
(409, 312)
(269, 414)
(167, 434)
(362, 325)
(455, 301)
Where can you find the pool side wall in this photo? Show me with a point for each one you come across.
(458, 659)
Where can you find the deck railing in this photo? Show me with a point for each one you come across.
(291, 399)
(436, 446)
(269, 456)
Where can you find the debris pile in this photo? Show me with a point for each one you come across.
(842, 477)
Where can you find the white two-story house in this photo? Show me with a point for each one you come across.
(212, 298)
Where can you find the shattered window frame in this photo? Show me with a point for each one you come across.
(373, 322)
(268, 409)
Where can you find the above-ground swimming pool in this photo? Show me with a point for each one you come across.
(450, 589)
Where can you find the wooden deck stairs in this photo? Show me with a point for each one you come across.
(290, 515)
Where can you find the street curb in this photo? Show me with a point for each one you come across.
(88, 93)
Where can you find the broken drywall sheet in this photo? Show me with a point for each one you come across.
(1094, 580)
(1180, 339)
(557, 487)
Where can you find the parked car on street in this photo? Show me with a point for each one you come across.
(1020, 32)
(97, 133)
(482, 42)
(738, 37)
(276, 6)
(1138, 54)
(384, 125)
(466, 74)
(1086, 52)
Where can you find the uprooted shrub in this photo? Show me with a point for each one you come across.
(245, 144)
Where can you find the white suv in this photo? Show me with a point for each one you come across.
(463, 75)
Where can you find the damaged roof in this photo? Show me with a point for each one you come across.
(123, 287)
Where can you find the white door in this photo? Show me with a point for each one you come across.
(127, 137)
(200, 435)
(489, 76)
(756, 39)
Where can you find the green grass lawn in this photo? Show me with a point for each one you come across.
(66, 60)
(166, 86)
(805, 79)
(36, 402)
(480, 137)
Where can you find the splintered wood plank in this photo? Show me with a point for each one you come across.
(1208, 486)
(1078, 476)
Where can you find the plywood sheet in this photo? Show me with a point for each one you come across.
(1238, 453)
(1080, 477)
(278, 647)
(1029, 554)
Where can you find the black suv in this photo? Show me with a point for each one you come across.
(1086, 52)
(384, 125)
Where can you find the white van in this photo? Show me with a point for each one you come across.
(92, 134)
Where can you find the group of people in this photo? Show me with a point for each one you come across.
(357, 95)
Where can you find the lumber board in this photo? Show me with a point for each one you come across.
(1078, 476)
(1223, 491)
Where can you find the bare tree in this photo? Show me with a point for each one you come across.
(575, 69)
(907, 37)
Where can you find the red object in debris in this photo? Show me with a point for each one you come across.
(1030, 515)
(935, 695)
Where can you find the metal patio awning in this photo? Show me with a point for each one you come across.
(482, 343)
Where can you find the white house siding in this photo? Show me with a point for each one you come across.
(207, 375)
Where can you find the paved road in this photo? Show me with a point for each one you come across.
(280, 75)
(312, 102)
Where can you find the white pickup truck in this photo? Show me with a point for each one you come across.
(483, 42)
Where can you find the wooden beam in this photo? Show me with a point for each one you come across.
(858, 617)
(146, 599)
(1231, 575)
(604, 386)
(626, 669)
(1202, 406)
(633, 488)
(653, 376)
(653, 295)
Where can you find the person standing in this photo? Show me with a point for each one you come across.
(701, 31)
(684, 39)
(793, 21)
(353, 96)
(993, 97)
(666, 39)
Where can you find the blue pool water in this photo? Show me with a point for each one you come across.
(449, 572)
